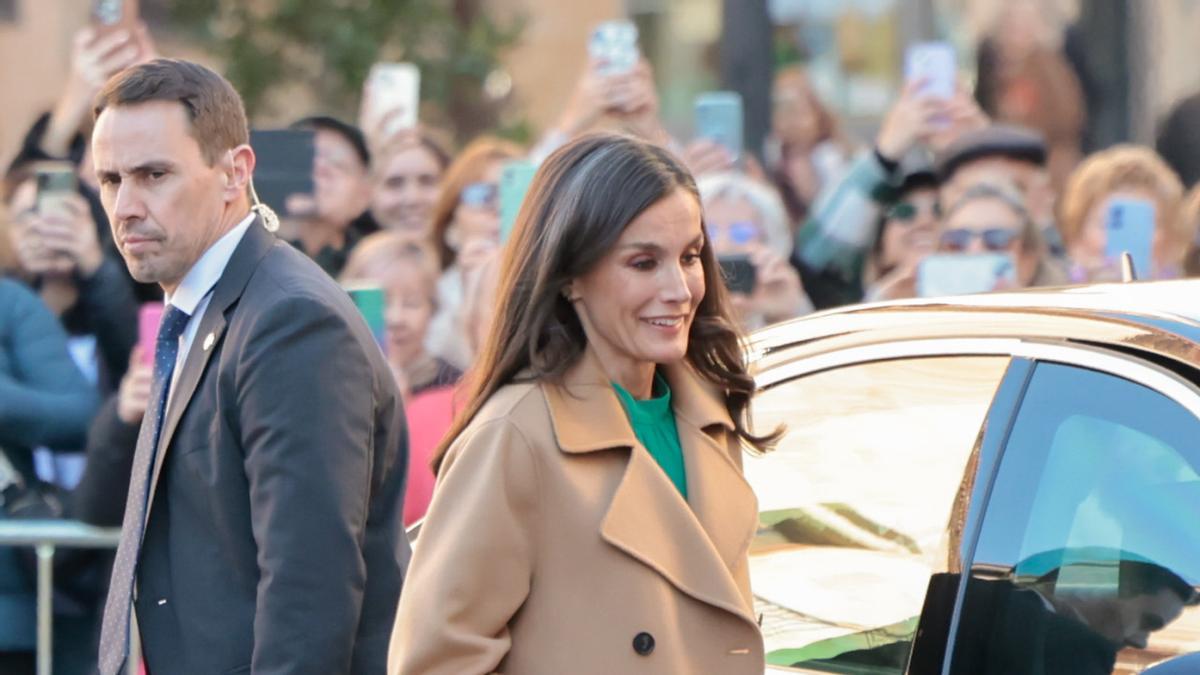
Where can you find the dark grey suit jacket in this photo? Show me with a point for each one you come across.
(274, 541)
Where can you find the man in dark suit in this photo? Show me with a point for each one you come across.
(262, 531)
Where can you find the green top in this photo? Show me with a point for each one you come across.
(653, 423)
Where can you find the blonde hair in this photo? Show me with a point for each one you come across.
(390, 250)
(1124, 167)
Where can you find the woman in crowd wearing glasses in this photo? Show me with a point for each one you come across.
(834, 245)
(590, 515)
(748, 226)
(993, 218)
(465, 232)
(907, 233)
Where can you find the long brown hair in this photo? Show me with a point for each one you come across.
(581, 200)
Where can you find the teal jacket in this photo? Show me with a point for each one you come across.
(44, 401)
(832, 245)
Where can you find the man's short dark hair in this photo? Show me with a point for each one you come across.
(214, 107)
(353, 135)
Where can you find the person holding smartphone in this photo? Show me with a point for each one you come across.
(1124, 173)
(465, 232)
(747, 223)
(833, 244)
(907, 233)
(993, 218)
(616, 87)
(59, 250)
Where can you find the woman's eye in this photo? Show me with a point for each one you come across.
(691, 258)
(644, 265)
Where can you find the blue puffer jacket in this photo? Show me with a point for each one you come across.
(44, 401)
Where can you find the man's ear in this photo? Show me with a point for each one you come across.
(238, 169)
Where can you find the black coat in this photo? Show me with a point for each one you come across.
(274, 539)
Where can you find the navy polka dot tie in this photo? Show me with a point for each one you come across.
(114, 632)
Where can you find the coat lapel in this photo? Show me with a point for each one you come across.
(696, 545)
(254, 245)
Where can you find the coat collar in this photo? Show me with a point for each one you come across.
(698, 545)
(587, 414)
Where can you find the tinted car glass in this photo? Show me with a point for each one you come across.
(1089, 553)
(855, 504)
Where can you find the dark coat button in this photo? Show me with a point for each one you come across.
(643, 643)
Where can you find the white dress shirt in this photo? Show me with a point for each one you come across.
(194, 292)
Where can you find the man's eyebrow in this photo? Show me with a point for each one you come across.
(152, 165)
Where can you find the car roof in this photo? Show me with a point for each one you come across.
(1177, 300)
(1162, 317)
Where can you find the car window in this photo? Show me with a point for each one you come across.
(1089, 553)
(855, 502)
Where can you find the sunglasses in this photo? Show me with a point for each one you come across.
(740, 232)
(479, 194)
(907, 211)
(994, 239)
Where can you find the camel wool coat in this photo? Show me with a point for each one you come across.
(555, 543)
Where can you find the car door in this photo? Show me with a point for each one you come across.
(863, 500)
(1086, 555)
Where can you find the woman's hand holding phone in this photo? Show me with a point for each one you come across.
(914, 118)
(69, 235)
(95, 57)
(588, 101)
(779, 294)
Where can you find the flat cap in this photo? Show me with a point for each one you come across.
(997, 140)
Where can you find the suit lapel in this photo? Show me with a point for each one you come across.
(254, 245)
(695, 545)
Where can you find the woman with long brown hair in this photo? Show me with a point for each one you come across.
(590, 514)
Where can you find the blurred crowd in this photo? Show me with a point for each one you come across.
(818, 218)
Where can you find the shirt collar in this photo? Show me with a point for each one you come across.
(205, 273)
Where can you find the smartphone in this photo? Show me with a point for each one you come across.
(393, 87)
(945, 274)
(56, 182)
(739, 273)
(284, 168)
(113, 15)
(1129, 228)
(615, 44)
(149, 317)
(371, 301)
(936, 64)
(515, 180)
(719, 119)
